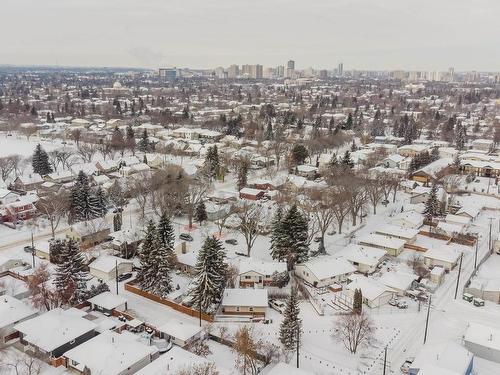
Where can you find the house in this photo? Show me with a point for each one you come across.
(307, 171)
(324, 271)
(249, 302)
(7, 197)
(406, 234)
(421, 194)
(22, 209)
(100, 179)
(412, 150)
(398, 281)
(111, 353)
(408, 219)
(12, 312)
(174, 361)
(364, 258)
(126, 241)
(393, 246)
(186, 262)
(483, 341)
(107, 302)
(445, 257)
(395, 161)
(447, 358)
(449, 229)
(480, 168)
(375, 294)
(458, 219)
(107, 166)
(106, 267)
(437, 275)
(55, 332)
(180, 333)
(89, 233)
(483, 144)
(62, 177)
(259, 274)
(471, 212)
(251, 194)
(27, 183)
(432, 172)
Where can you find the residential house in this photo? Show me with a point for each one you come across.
(447, 358)
(308, 171)
(180, 333)
(412, 150)
(393, 246)
(480, 168)
(375, 294)
(106, 267)
(432, 172)
(12, 312)
(483, 144)
(61, 177)
(7, 263)
(408, 219)
(400, 282)
(406, 234)
(364, 258)
(55, 332)
(107, 166)
(89, 233)
(27, 183)
(111, 353)
(324, 271)
(248, 302)
(446, 257)
(259, 274)
(251, 194)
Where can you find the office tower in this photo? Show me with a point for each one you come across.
(256, 71)
(290, 64)
(451, 74)
(340, 70)
(323, 74)
(167, 74)
(280, 71)
(233, 71)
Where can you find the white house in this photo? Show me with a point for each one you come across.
(364, 258)
(324, 271)
(408, 219)
(111, 353)
(181, 333)
(483, 341)
(105, 267)
(375, 294)
(8, 263)
(12, 312)
(445, 358)
(446, 257)
(107, 302)
(398, 281)
(250, 302)
(393, 231)
(393, 246)
(255, 273)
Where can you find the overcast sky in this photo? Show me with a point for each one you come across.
(364, 34)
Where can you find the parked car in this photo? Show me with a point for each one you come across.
(393, 302)
(186, 237)
(232, 241)
(28, 249)
(277, 305)
(402, 305)
(405, 367)
(124, 276)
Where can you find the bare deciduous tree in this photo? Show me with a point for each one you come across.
(250, 216)
(201, 369)
(245, 347)
(54, 206)
(39, 285)
(353, 330)
(7, 166)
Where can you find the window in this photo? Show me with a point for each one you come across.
(248, 277)
(250, 308)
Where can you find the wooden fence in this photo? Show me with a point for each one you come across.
(182, 309)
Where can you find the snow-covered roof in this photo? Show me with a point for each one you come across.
(449, 254)
(396, 231)
(366, 255)
(326, 267)
(110, 353)
(180, 329)
(442, 359)
(397, 280)
(12, 310)
(483, 335)
(450, 218)
(108, 300)
(412, 218)
(449, 228)
(245, 297)
(382, 241)
(55, 328)
(370, 288)
(435, 167)
(107, 263)
(260, 266)
(85, 228)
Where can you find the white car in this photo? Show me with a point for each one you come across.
(277, 305)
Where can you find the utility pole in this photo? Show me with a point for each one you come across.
(458, 277)
(116, 275)
(427, 319)
(298, 342)
(385, 358)
(475, 255)
(32, 249)
(489, 236)
(199, 308)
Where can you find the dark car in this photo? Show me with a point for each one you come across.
(124, 276)
(186, 237)
(28, 249)
(232, 241)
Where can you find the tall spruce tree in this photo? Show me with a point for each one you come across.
(357, 305)
(84, 205)
(277, 236)
(71, 276)
(295, 229)
(100, 202)
(144, 144)
(291, 325)
(146, 274)
(40, 162)
(207, 287)
(162, 260)
(432, 204)
(346, 161)
(200, 214)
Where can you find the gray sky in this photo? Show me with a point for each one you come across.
(364, 34)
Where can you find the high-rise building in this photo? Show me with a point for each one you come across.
(246, 70)
(290, 64)
(167, 74)
(256, 71)
(323, 74)
(233, 71)
(451, 74)
(280, 71)
(340, 70)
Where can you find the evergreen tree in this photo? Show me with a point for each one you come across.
(277, 236)
(101, 202)
(460, 136)
(269, 131)
(71, 276)
(346, 161)
(144, 144)
(357, 305)
(299, 154)
(130, 138)
(84, 205)
(163, 265)
(242, 173)
(291, 326)
(207, 287)
(434, 154)
(432, 204)
(146, 274)
(212, 163)
(40, 162)
(117, 222)
(56, 248)
(349, 122)
(200, 214)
